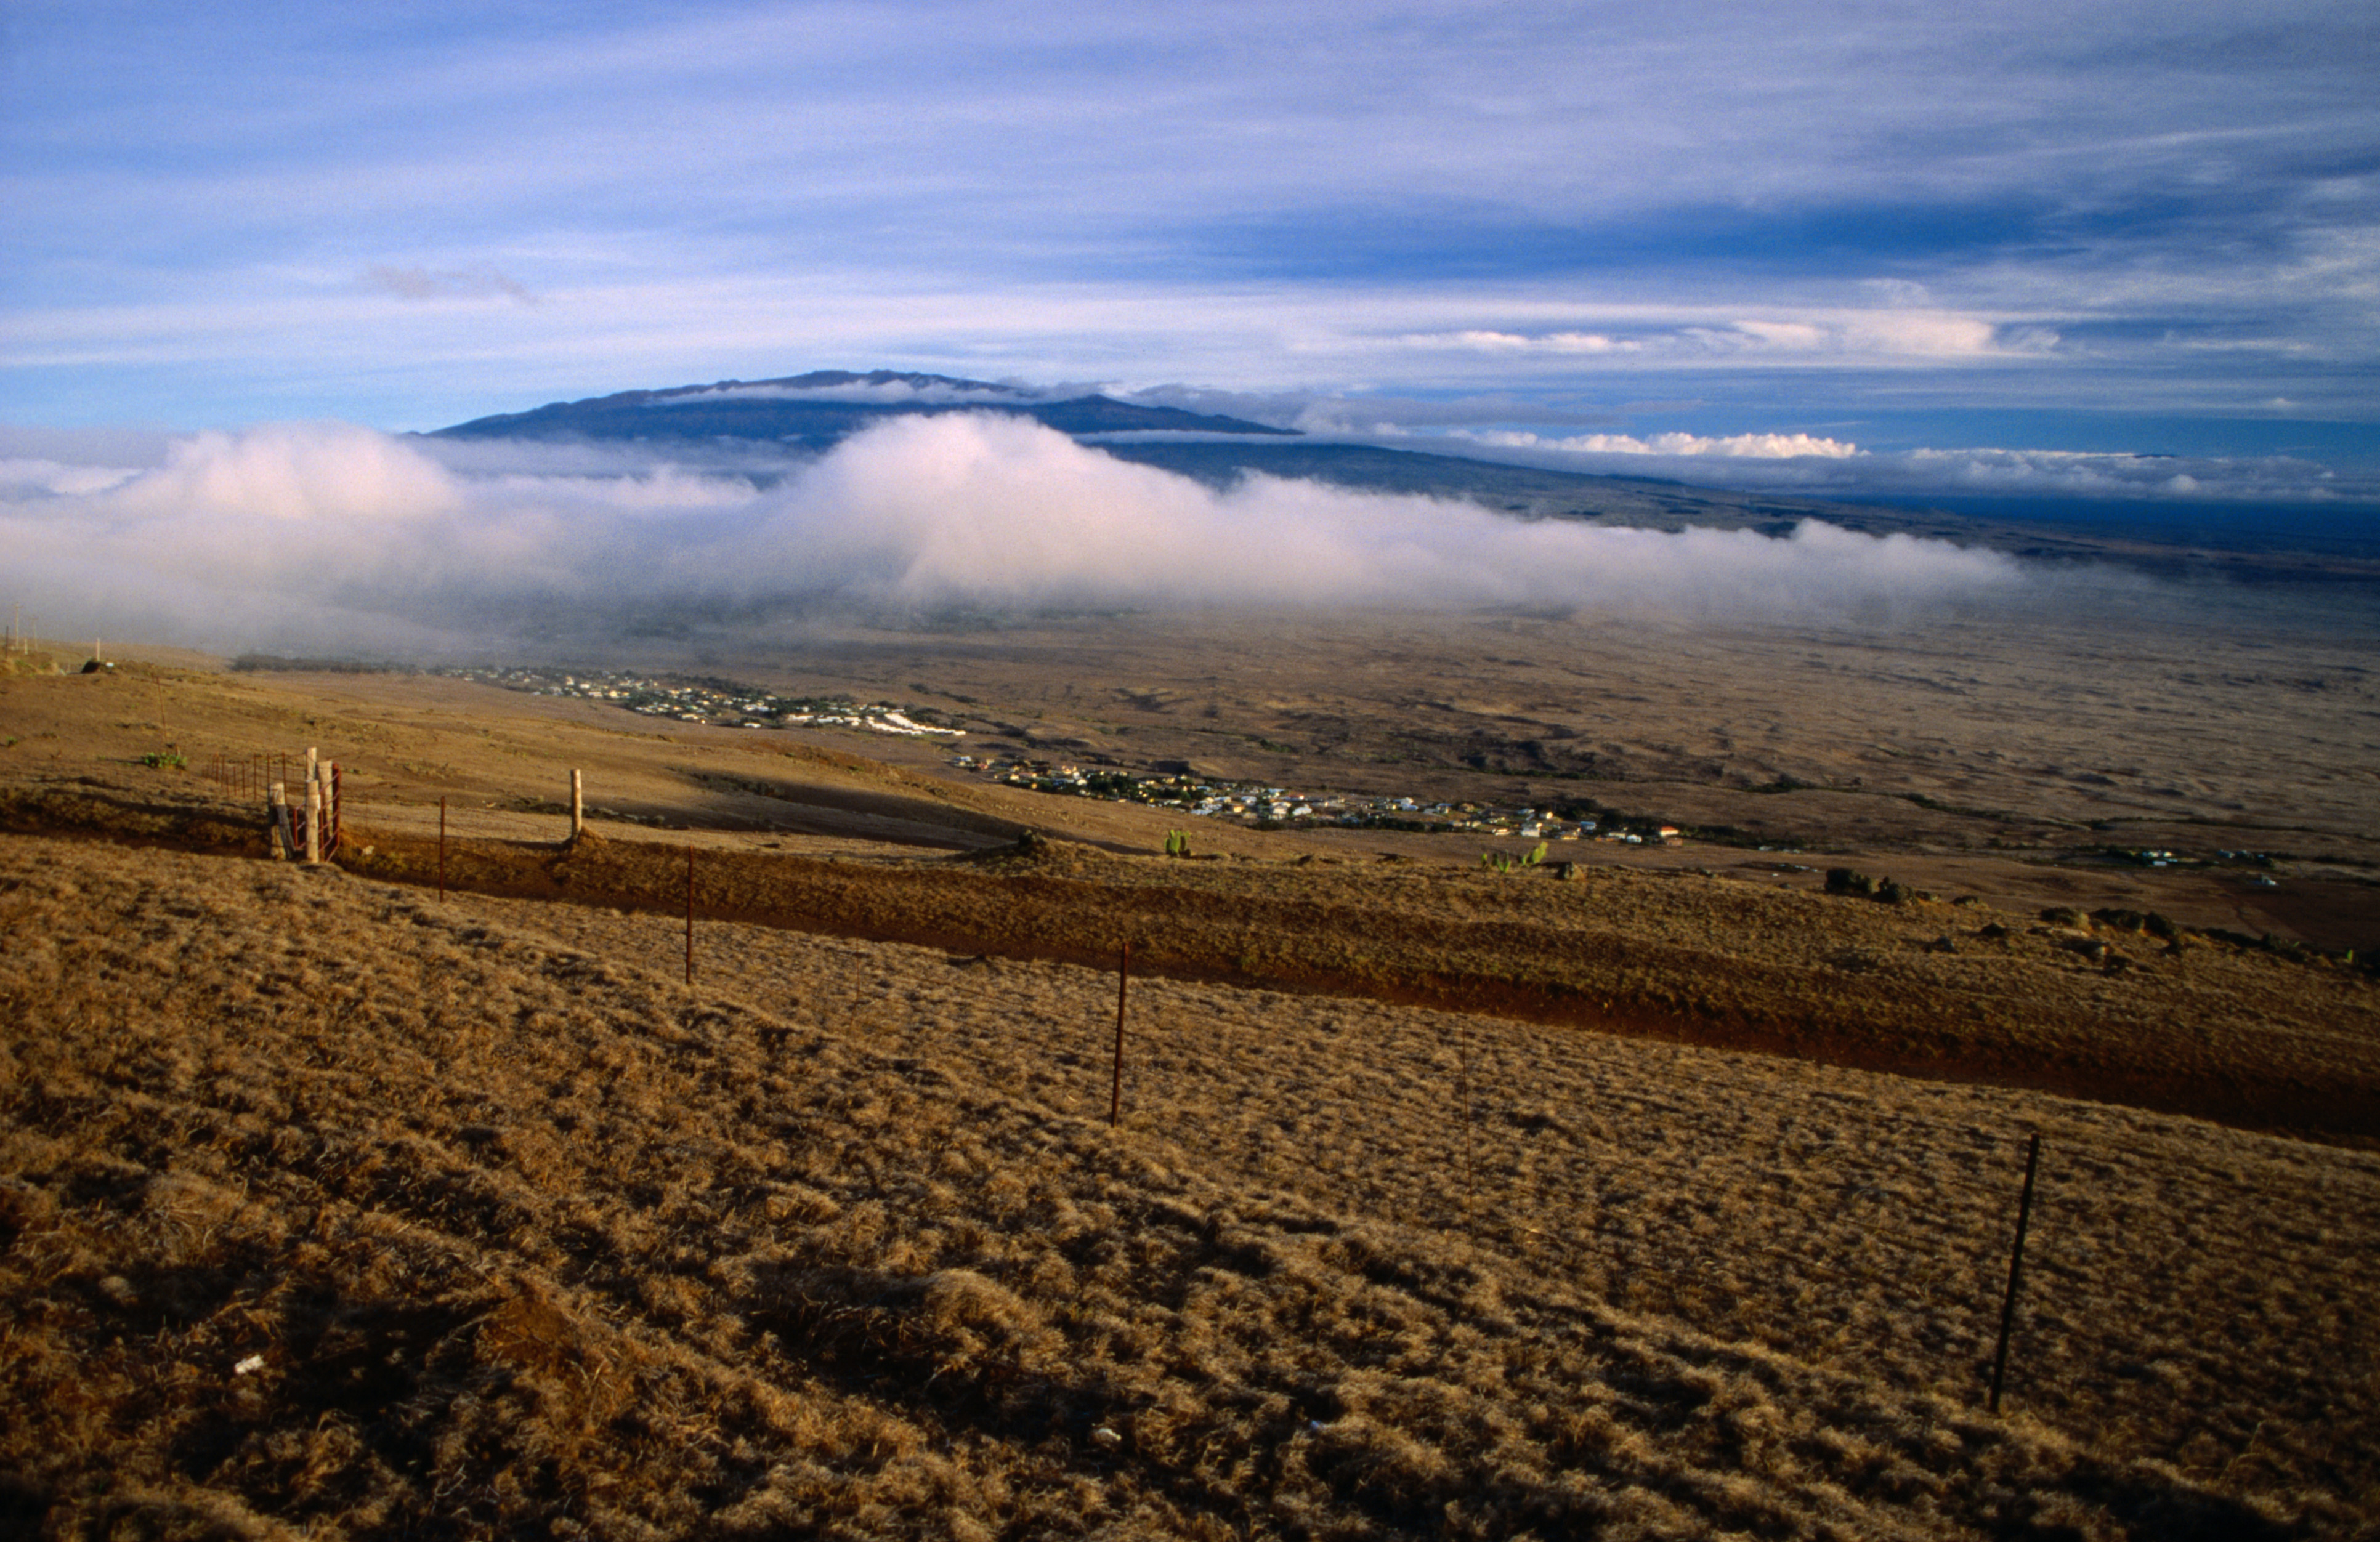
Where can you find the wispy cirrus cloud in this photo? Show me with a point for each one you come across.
(2111, 208)
(1479, 340)
(479, 280)
(1880, 337)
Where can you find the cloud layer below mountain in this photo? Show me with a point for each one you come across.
(328, 534)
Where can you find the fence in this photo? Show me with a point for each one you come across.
(314, 827)
(2189, 1292)
(2201, 1288)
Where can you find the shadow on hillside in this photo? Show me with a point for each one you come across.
(731, 801)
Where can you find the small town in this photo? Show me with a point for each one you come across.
(724, 704)
(718, 703)
(1270, 807)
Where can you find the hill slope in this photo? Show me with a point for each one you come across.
(332, 1207)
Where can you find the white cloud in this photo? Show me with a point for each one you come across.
(1821, 467)
(1892, 334)
(336, 536)
(2082, 474)
(1555, 343)
(479, 280)
(1734, 446)
(219, 204)
(1883, 334)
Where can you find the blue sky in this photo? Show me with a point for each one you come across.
(2030, 240)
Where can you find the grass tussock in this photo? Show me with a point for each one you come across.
(327, 1208)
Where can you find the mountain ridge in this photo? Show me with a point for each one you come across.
(806, 411)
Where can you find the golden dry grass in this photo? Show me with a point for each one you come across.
(518, 1235)
(523, 1235)
(1751, 957)
(2179, 1022)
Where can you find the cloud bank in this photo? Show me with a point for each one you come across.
(1733, 447)
(1822, 467)
(332, 535)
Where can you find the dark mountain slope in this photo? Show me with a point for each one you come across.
(815, 410)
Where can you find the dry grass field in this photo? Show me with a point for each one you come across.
(335, 1206)
(1672, 1200)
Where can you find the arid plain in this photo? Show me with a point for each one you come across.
(1672, 1198)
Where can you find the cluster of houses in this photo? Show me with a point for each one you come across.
(716, 703)
(1254, 804)
(722, 704)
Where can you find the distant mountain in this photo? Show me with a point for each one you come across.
(815, 410)
(811, 413)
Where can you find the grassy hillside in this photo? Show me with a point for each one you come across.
(1655, 1202)
(329, 1206)
(2108, 1009)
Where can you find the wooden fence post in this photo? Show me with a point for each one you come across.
(577, 805)
(1115, 1091)
(313, 803)
(277, 820)
(2016, 1269)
